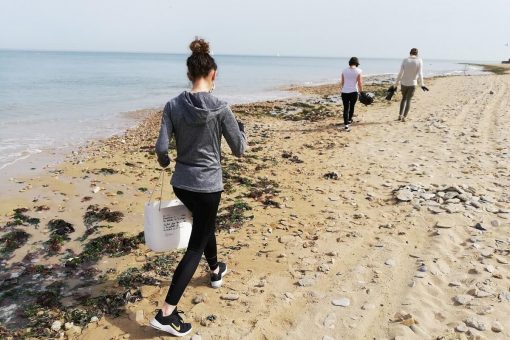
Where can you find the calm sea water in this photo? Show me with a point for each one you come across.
(55, 100)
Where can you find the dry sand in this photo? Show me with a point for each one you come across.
(324, 258)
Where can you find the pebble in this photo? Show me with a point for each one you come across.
(330, 321)
(487, 252)
(230, 297)
(56, 326)
(306, 282)
(463, 299)
(455, 284)
(422, 268)
(342, 302)
(68, 325)
(502, 260)
(324, 268)
(196, 337)
(461, 327)
(495, 223)
(404, 195)
(94, 319)
(497, 327)
(476, 323)
(504, 296)
(490, 268)
(327, 337)
(390, 262)
(199, 299)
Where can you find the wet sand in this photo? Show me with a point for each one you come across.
(391, 231)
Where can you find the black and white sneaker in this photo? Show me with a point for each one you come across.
(172, 323)
(217, 279)
(347, 128)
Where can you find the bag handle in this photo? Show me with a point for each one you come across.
(162, 177)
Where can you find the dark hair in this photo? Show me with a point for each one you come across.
(200, 62)
(354, 61)
(414, 51)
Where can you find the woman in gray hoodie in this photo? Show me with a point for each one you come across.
(197, 120)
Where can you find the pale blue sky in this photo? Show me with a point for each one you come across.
(455, 29)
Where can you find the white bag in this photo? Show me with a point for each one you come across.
(167, 224)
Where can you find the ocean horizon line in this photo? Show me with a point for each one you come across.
(228, 55)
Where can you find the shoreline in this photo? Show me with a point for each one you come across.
(18, 169)
(319, 204)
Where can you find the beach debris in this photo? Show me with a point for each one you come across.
(94, 214)
(480, 226)
(331, 175)
(405, 318)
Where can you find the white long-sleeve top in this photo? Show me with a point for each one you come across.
(411, 71)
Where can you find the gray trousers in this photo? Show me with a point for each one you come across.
(405, 104)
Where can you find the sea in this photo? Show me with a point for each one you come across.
(51, 101)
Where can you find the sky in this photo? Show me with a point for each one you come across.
(441, 29)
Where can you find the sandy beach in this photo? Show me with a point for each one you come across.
(391, 231)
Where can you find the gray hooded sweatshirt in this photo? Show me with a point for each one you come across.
(198, 121)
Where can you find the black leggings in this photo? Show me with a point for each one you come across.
(349, 100)
(204, 207)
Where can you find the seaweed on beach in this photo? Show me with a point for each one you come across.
(162, 265)
(12, 240)
(20, 218)
(113, 245)
(94, 215)
(111, 304)
(233, 216)
(263, 187)
(59, 230)
(105, 171)
(134, 278)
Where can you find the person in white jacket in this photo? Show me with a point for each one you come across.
(411, 73)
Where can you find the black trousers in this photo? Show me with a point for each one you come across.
(349, 100)
(204, 207)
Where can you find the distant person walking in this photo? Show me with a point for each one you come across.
(352, 84)
(411, 72)
(197, 120)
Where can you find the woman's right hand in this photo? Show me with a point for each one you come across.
(164, 160)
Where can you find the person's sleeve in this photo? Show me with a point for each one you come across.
(420, 73)
(235, 138)
(400, 74)
(165, 133)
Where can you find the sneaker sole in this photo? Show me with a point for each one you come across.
(217, 284)
(168, 329)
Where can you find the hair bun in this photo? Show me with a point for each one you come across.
(199, 46)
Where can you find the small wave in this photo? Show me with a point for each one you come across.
(19, 156)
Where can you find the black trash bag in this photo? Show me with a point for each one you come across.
(390, 92)
(366, 98)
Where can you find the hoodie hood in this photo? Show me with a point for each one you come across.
(200, 107)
